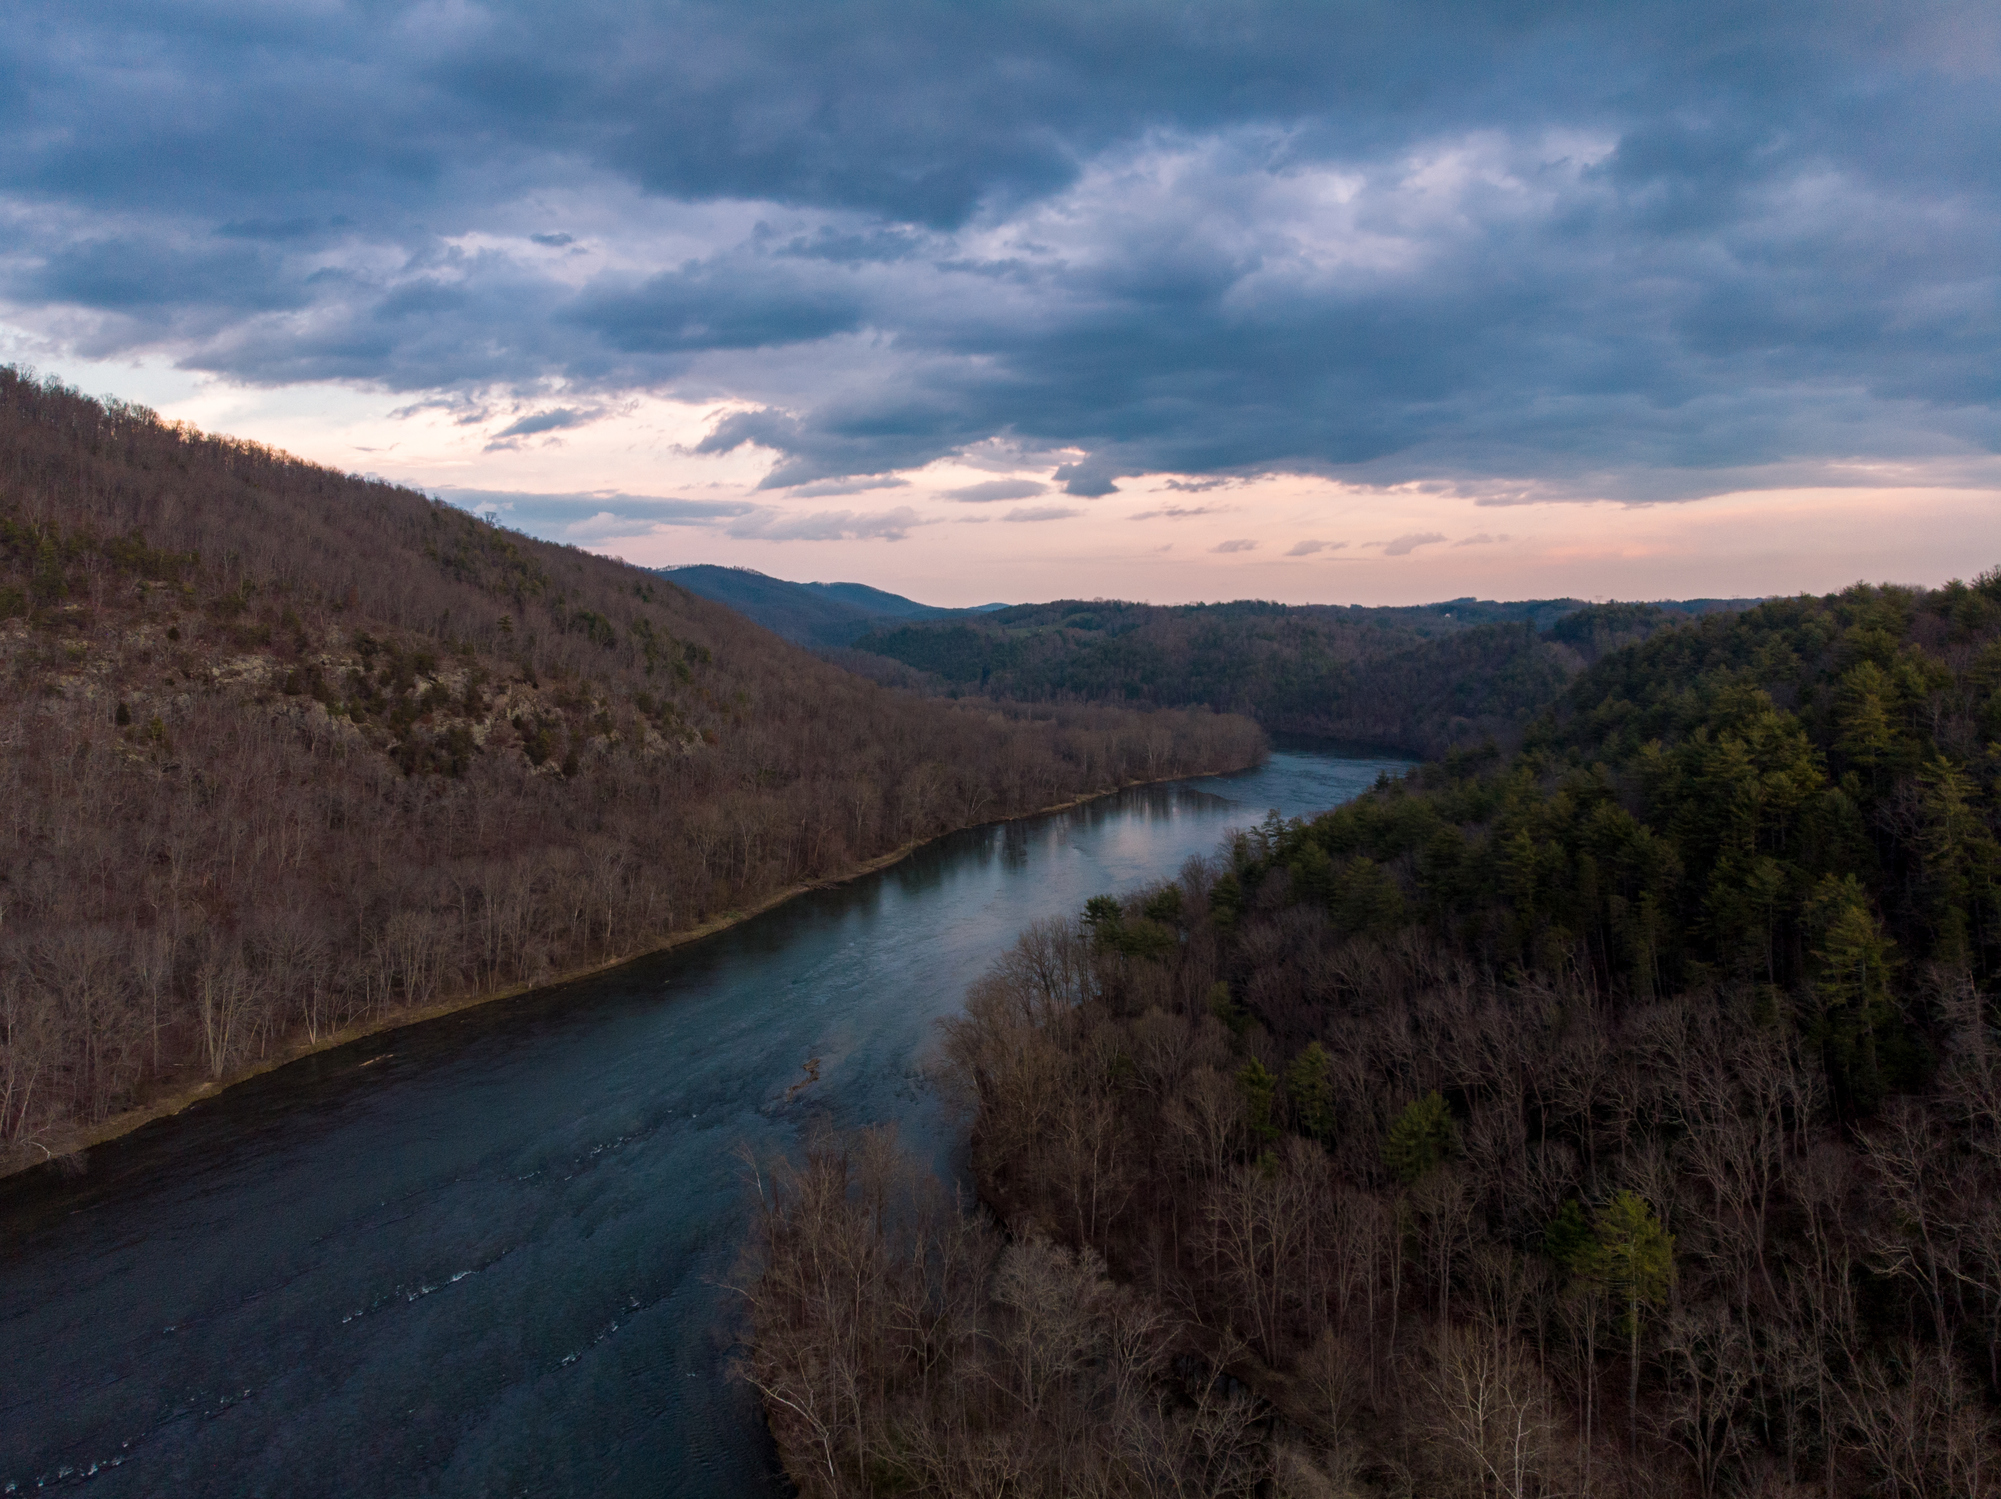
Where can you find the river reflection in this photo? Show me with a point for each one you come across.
(481, 1255)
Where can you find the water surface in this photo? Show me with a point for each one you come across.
(488, 1261)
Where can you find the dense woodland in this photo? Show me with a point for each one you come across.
(284, 751)
(1426, 678)
(1620, 1117)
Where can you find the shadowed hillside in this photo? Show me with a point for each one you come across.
(288, 751)
(825, 615)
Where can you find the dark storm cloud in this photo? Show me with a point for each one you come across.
(1093, 476)
(277, 229)
(741, 303)
(848, 246)
(1648, 250)
(149, 278)
(845, 438)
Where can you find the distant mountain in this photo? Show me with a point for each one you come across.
(816, 614)
(875, 601)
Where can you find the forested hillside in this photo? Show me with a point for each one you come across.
(1622, 1117)
(1423, 678)
(287, 751)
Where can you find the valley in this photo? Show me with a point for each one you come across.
(1416, 679)
(292, 755)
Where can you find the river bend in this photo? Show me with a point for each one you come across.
(480, 1255)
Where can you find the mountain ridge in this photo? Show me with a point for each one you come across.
(823, 615)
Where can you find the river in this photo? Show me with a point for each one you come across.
(482, 1255)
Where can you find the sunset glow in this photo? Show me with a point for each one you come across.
(1382, 325)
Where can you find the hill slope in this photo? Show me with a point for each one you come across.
(891, 605)
(814, 614)
(287, 751)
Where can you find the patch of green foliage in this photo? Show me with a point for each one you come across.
(1422, 1138)
(1801, 798)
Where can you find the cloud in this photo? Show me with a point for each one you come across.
(549, 421)
(602, 527)
(1308, 548)
(997, 489)
(808, 454)
(862, 485)
(595, 515)
(550, 515)
(1538, 253)
(276, 229)
(155, 283)
(1042, 512)
(1244, 545)
(561, 419)
(1404, 545)
(1179, 512)
(1483, 539)
(827, 525)
(849, 246)
(733, 301)
(1089, 478)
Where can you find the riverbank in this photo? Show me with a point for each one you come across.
(65, 1150)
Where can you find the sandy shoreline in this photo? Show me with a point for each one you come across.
(70, 1142)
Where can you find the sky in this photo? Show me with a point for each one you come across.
(1360, 303)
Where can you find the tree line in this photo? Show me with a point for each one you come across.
(1620, 1117)
(288, 751)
